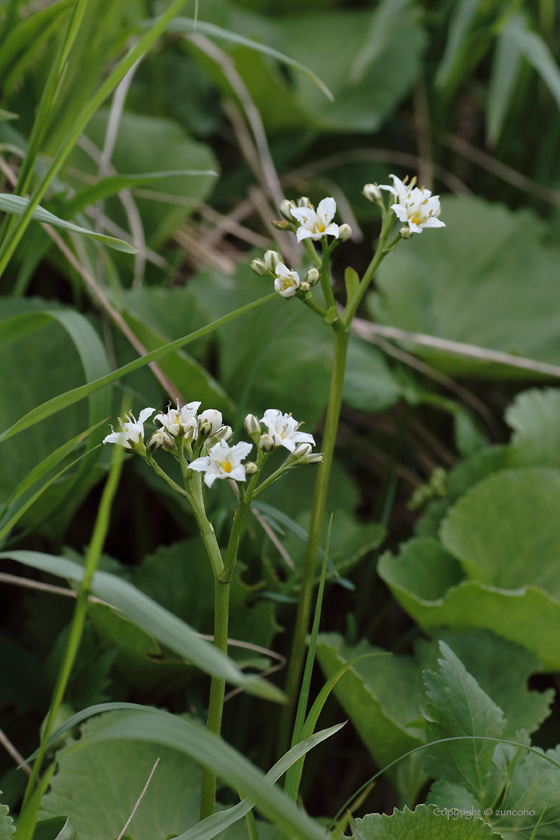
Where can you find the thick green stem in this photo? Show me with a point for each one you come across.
(30, 805)
(341, 337)
(217, 691)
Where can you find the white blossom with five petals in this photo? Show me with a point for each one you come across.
(315, 225)
(178, 421)
(132, 430)
(222, 461)
(283, 429)
(415, 206)
(287, 282)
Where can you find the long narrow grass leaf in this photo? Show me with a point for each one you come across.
(156, 620)
(16, 205)
(505, 70)
(187, 25)
(56, 404)
(207, 748)
(537, 53)
(463, 16)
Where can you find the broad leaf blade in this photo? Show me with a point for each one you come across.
(421, 824)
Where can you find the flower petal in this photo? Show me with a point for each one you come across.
(304, 233)
(332, 230)
(144, 415)
(327, 209)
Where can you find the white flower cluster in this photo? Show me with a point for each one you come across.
(415, 206)
(217, 459)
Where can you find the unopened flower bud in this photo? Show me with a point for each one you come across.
(266, 443)
(304, 287)
(252, 425)
(209, 422)
(271, 259)
(372, 192)
(286, 209)
(259, 267)
(281, 224)
(311, 277)
(314, 458)
(304, 202)
(344, 233)
(301, 451)
(160, 438)
(224, 433)
(405, 232)
(251, 468)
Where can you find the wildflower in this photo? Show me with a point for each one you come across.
(287, 282)
(316, 224)
(252, 426)
(266, 443)
(223, 433)
(223, 461)
(272, 259)
(415, 206)
(301, 451)
(283, 429)
(286, 209)
(312, 276)
(160, 438)
(259, 267)
(132, 431)
(209, 422)
(180, 421)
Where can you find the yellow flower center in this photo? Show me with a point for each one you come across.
(226, 466)
(320, 228)
(416, 219)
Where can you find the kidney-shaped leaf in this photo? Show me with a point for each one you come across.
(424, 823)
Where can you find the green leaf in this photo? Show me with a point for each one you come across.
(421, 824)
(164, 626)
(460, 707)
(193, 740)
(55, 828)
(384, 25)
(469, 283)
(186, 25)
(53, 406)
(383, 696)
(463, 16)
(479, 651)
(505, 71)
(369, 384)
(7, 827)
(533, 416)
(525, 615)
(387, 75)
(533, 786)
(113, 184)
(211, 826)
(143, 143)
(24, 33)
(16, 206)
(504, 523)
(468, 437)
(537, 53)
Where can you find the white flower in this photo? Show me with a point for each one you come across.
(223, 461)
(132, 431)
(283, 429)
(315, 225)
(209, 421)
(178, 421)
(287, 282)
(416, 206)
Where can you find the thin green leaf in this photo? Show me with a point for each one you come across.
(90, 107)
(187, 25)
(7, 115)
(56, 404)
(22, 35)
(213, 825)
(115, 183)
(16, 205)
(539, 56)
(192, 739)
(458, 31)
(534, 834)
(55, 828)
(159, 622)
(505, 70)
(385, 18)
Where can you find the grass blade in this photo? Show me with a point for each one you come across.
(16, 206)
(47, 409)
(156, 620)
(537, 53)
(458, 30)
(192, 739)
(187, 25)
(505, 70)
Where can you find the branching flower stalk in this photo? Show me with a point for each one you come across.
(200, 444)
(417, 209)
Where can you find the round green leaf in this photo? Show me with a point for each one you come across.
(424, 823)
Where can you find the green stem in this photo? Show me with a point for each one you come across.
(314, 306)
(382, 251)
(217, 692)
(30, 805)
(341, 338)
(325, 277)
